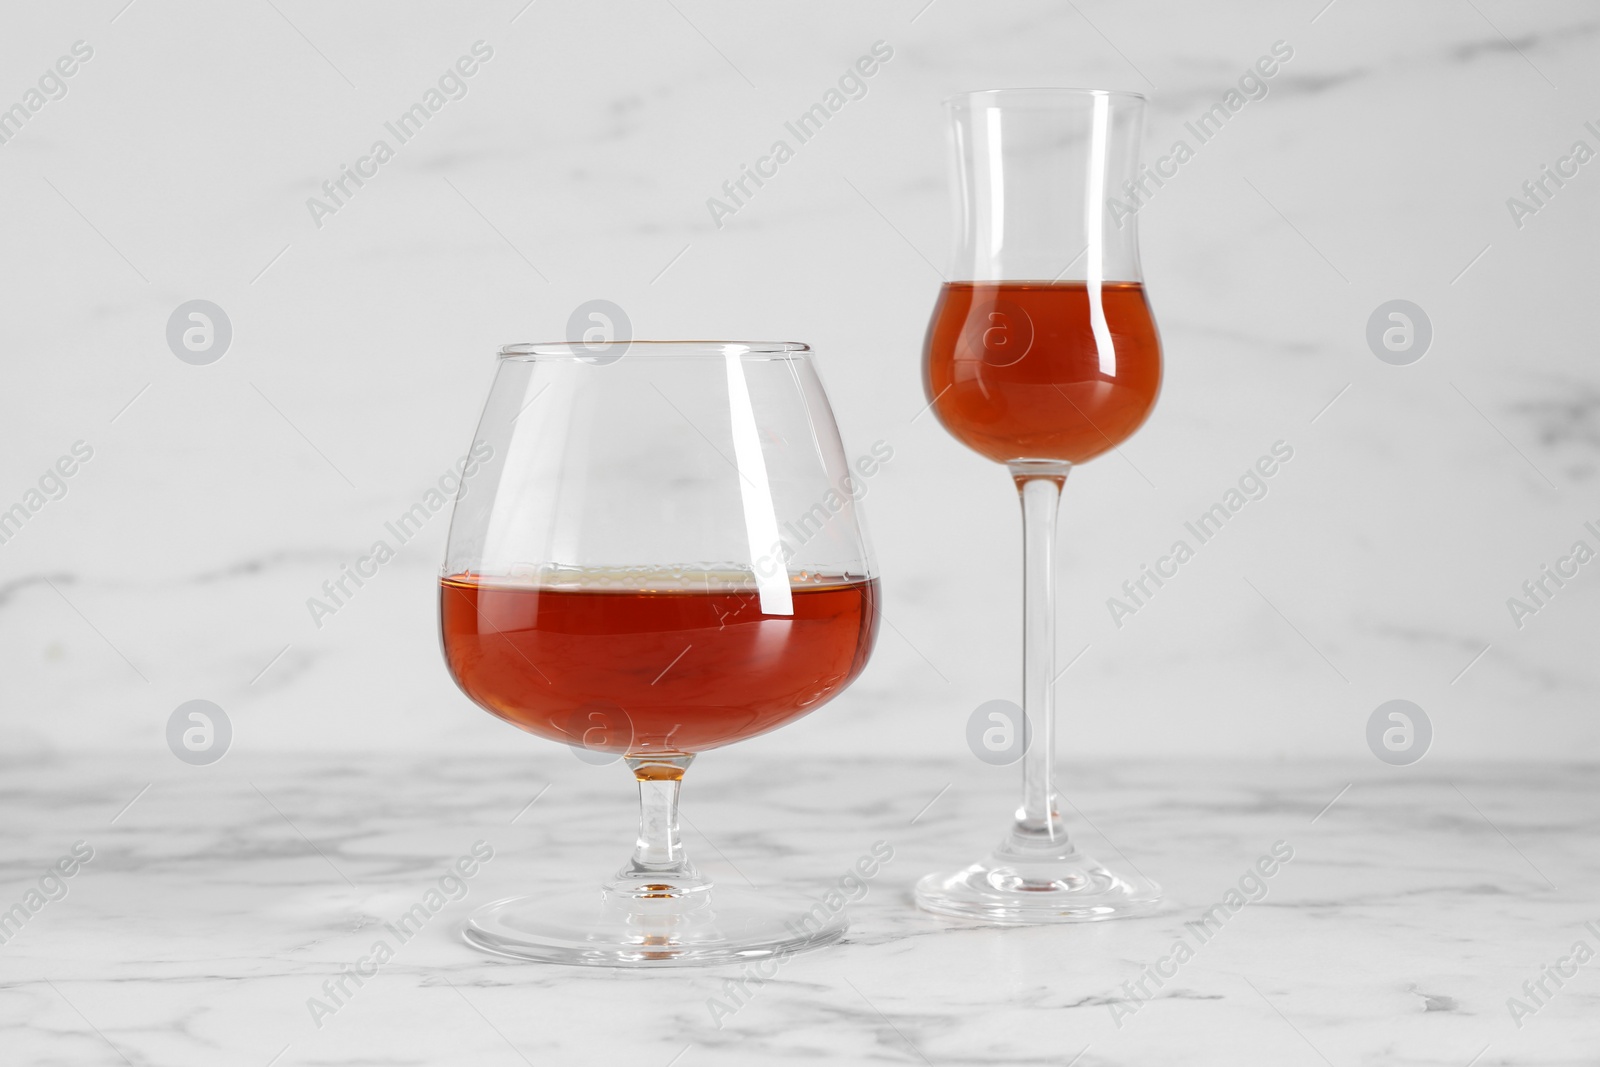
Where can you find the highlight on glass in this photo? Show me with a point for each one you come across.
(623, 577)
(1042, 353)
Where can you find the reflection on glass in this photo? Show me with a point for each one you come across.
(626, 575)
(1040, 355)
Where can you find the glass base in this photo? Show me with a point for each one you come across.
(1008, 889)
(611, 929)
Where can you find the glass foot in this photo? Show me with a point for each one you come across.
(1011, 889)
(610, 929)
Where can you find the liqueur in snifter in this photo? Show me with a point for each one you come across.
(624, 576)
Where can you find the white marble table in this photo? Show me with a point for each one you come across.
(219, 902)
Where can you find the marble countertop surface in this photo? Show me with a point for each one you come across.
(219, 899)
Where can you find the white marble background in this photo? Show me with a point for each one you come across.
(219, 498)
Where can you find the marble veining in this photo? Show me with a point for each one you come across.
(221, 899)
(1378, 163)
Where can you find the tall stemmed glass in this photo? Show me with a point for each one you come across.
(657, 553)
(1043, 354)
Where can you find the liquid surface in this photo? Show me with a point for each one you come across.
(655, 670)
(1028, 370)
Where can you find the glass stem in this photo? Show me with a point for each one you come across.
(1039, 485)
(659, 866)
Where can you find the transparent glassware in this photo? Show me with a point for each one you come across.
(1041, 354)
(656, 552)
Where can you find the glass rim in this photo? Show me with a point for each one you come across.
(1043, 94)
(697, 348)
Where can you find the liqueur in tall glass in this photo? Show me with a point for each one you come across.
(1042, 354)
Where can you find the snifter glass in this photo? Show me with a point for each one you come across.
(658, 555)
(1042, 354)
